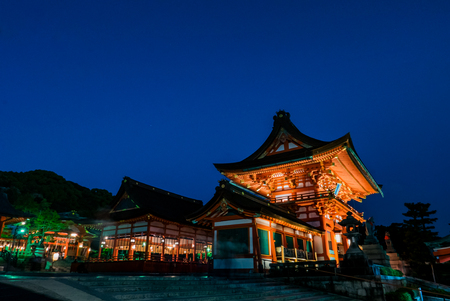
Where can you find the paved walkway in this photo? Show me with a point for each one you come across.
(43, 287)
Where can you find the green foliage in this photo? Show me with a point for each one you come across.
(45, 219)
(23, 188)
(409, 291)
(440, 291)
(399, 295)
(390, 272)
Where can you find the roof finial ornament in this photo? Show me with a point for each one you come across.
(282, 114)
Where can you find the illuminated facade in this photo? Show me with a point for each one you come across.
(312, 178)
(148, 223)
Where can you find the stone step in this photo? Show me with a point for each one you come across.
(222, 295)
(175, 287)
(204, 288)
(150, 281)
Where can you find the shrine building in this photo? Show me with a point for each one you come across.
(311, 179)
(148, 223)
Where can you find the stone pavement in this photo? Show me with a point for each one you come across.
(113, 287)
(49, 287)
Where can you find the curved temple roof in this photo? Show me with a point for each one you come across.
(286, 145)
(136, 199)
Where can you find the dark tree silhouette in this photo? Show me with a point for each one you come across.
(420, 220)
(63, 195)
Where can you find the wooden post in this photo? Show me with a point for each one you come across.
(78, 247)
(194, 242)
(177, 253)
(130, 244)
(274, 250)
(257, 247)
(66, 248)
(115, 251)
(2, 224)
(100, 246)
(148, 255)
(164, 243)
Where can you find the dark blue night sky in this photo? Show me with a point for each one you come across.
(160, 90)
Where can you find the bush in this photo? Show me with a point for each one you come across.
(408, 291)
(390, 272)
(440, 291)
(398, 295)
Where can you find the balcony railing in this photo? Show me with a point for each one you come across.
(293, 254)
(303, 197)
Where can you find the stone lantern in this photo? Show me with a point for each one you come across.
(351, 225)
(355, 261)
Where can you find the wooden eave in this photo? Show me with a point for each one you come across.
(146, 217)
(292, 159)
(349, 168)
(220, 199)
(295, 227)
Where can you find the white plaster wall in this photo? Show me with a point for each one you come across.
(233, 222)
(318, 246)
(233, 263)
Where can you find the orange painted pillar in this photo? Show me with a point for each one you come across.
(163, 247)
(66, 248)
(274, 251)
(177, 252)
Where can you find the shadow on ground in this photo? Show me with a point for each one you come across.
(14, 293)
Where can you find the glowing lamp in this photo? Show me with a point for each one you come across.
(55, 256)
(132, 240)
(81, 245)
(23, 223)
(73, 234)
(133, 246)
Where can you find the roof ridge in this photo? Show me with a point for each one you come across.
(133, 182)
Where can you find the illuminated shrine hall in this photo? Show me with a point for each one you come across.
(148, 223)
(312, 178)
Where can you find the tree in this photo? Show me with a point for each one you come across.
(45, 219)
(420, 220)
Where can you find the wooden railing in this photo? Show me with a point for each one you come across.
(303, 197)
(293, 254)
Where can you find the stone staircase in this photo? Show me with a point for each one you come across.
(196, 288)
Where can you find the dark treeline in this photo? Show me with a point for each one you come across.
(25, 188)
(408, 238)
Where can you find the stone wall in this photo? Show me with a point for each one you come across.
(369, 288)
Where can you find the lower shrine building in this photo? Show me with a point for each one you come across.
(250, 232)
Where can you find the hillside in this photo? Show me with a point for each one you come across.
(21, 187)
